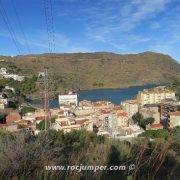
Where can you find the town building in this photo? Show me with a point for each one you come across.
(127, 133)
(122, 118)
(3, 102)
(166, 107)
(151, 110)
(14, 76)
(154, 96)
(113, 121)
(68, 124)
(88, 105)
(3, 71)
(174, 119)
(68, 99)
(5, 74)
(99, 105)
(131, 107)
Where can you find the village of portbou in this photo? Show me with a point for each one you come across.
(151, 109)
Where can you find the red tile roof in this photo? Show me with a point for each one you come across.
(105, 112)
(157, 126)
(122, 114)
(12, 117)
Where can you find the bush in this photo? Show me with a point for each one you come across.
(26, 110)
(25, 156)
(138, 118)
(41, 124)
(160, 133)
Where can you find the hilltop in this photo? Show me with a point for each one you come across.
(102, 69)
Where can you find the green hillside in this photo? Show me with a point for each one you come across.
(102, 70)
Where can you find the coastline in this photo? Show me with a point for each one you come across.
(115, 95)
(123, 87)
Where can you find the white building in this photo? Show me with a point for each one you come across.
(130, 106)
(154, 96)
(3, 71)
(68, 99)
(10, 88)
(3, 102)
(14, 76)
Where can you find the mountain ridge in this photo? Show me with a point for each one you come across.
(102, 69)
(93, 52)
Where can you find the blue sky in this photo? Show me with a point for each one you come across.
(120, 26)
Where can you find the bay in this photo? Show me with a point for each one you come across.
(116, 96)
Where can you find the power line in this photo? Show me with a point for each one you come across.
(47, 21)
(52, 24)
(48, 9)
(20, 26)
(9, 26)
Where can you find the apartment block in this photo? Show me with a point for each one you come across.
(155, 96)
(130, 107)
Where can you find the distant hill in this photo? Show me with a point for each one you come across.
(102, 69)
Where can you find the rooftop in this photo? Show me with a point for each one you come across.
(130, 101)
(157, 90)
(159, 125)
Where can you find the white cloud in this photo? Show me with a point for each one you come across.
(106, 23)
(116, 24)
(38, 39)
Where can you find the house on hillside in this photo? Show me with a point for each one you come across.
(3, 102)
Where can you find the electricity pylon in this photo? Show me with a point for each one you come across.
(46, 99)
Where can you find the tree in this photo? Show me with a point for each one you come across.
(176, 133)
(41, 124)
(28, 86)
(150, 120)
(144, 122)
(137, 118)
(27, 109)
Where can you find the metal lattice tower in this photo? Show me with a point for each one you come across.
(46, 99)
